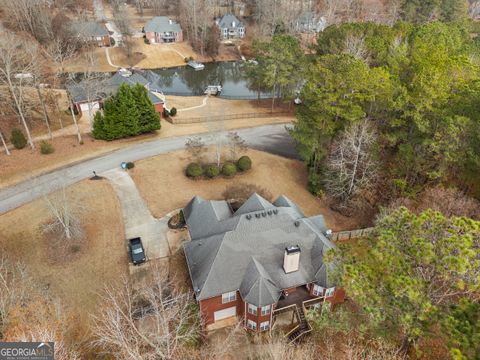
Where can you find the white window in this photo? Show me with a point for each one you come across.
(252, 309)
(264, 325)
(318, 290)
(266, 310)
(229, 297)
(251, 324)
(329, 292)
(99, 38)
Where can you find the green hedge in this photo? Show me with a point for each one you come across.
(229, 169)
(18, 139)
(244, 163)
(194, 170)
(211, 171)
(46, 148)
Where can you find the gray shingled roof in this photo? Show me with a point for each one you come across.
(90, 29)
(257, 286)
(226, 21)
(110, 86)
(254, 203)
(161, 24)
(244, 251)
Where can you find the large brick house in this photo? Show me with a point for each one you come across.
(161, 29)
(253, 263)
(92, 32)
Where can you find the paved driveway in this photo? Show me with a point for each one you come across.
(137, 219)
(271, 138)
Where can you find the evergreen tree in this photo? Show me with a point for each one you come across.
(129, 112)
(149, 119)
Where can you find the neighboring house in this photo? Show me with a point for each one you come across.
(310, 22)
(230, 27)
(256, 262)
(92, 32)
(80, 98)
(161, 29)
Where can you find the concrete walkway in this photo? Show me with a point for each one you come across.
(204, 103)
(137, 218)
(107, 54)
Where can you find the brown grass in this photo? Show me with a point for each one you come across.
(101, 260)
(164, 186)
(25, 163)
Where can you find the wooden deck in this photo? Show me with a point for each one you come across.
(296, 298)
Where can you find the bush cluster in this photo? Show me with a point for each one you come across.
(17, 138)
(244, 163)
(195, 170)
(229, 169)
(46, 147)
(173, 111)
(211, 171)
(130, 165)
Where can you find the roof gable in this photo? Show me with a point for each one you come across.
(253, 204)
(161, 24)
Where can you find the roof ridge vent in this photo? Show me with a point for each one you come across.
(269, 212)
(249, 216)
(264, 214)
(296, 223)
(275, 211)
(257, 215)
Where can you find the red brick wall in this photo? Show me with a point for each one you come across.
(209, 306)
(338, 296)
(159, 109)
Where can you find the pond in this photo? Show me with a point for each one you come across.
(231, 75)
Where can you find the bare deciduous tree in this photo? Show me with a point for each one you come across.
(351, 167)
(236, 144)
(355, 46)
(196, 147)
(65, 223)
(4, 143)
(16, 64)
(239, 192)
(15, 287)
(149, 323)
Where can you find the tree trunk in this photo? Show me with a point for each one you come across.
(44, 109)
(406, 343)
(79, 136)
(20, 112)
(273, 97)
(4, 144)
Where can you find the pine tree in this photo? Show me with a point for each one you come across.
(149, 119)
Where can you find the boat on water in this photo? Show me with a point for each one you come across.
(213, 90)
(195, 65)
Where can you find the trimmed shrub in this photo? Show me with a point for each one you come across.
(186, 59)
(146, 41)
(18, 139)
(130, 165)
(173, 111)
(229, 169)
(211, 171)
(112, 41)
(194, 170)
(166, 113)
(46, 148)
(244, 163)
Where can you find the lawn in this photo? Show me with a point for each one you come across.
(163, 185)
(101, 259)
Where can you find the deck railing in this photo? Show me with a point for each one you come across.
(352, 234)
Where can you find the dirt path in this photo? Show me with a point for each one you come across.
(137, 218)
(204, 103)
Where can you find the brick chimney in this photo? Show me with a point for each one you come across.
(291, 259)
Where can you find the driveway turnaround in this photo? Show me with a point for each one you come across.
(271, 138)
(137, 219)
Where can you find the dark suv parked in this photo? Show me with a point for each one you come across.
(137, 252)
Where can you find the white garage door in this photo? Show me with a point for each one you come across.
(95, 106)
(225, 313)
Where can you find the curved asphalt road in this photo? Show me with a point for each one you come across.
(271, 138)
